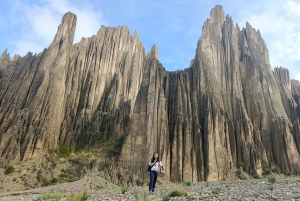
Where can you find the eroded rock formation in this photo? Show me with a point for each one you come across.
(227, 107)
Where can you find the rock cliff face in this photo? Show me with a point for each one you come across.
(228, 107)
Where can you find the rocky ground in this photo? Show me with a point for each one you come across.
(253, 189)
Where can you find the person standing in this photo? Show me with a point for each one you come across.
(154, 166)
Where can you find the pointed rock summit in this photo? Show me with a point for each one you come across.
(153, 52)
(66, 29)
(229, 107)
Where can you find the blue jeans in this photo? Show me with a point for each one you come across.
(153, 178)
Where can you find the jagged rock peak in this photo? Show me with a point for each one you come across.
(4, 57)
(283, 76)
(135, 36)
(153, 52)
(4, 54)
(66, 29)
(217, 14)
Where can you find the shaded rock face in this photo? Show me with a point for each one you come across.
(227, 107)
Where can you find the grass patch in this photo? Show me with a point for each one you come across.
(44, 165)
(62, 151)
(187, 183)
(177, 193)
(85, 158)
(241, 164)
(80, 147)
(78, 197)
(216, 190)
(174, 193)
(272, 180)
(46, 182)
(68, 175)
(9, 170)
(124, 189)
(54, 180)
(206, 184)
(267, 171)
(51, 196)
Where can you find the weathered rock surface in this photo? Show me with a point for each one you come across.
(227, 107)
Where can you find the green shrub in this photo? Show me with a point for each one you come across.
(187, 183)
(177, 193)
(256, 176)
(140, 195)
(124, 189)
(268, 171)
(272, 179)
(102, 129)
(241, 164)
(68, 175)
(46, 182)
(78, 197)
(80, 147)
(51, 196)
(62, 151)
(9, 170)
(216, 190)
(54, 180)
(44, 165)
(276, 170)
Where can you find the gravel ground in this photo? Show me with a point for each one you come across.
(259, 189)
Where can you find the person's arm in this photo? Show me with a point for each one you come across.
(149, 166)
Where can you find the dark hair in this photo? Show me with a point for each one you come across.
(152, 160)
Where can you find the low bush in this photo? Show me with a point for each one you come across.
(78, 197)
(124, 189)
(276, 170)
(50, 196)
(241, 164)
(44, 165)
(272, 179)
(140, 195)
(187, 183)
(68, 175)
(46, 182)
(54, 180)
(216, 190)
(9, 170)
(268, 171)
(177, 193)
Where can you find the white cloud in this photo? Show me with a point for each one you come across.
(297, 77)
(279, 26)
(293, 8)
(39, 23)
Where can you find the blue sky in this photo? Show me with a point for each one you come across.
(174, 26)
